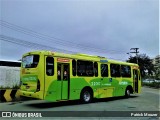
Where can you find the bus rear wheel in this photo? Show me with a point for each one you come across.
(127, 93)
(86, 96)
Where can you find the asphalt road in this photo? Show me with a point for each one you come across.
(148, 100)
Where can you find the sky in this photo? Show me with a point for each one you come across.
(107, 28)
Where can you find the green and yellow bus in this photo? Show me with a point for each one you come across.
(57, 76)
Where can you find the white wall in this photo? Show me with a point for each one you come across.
(9, 76)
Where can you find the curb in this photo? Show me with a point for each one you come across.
(8, 95)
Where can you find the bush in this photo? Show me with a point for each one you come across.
(153, 84)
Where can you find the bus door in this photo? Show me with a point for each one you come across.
(106, 83)
(135, 80)
(63, 81)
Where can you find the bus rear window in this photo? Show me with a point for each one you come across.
(30, 61)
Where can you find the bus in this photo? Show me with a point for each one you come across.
(54, 76)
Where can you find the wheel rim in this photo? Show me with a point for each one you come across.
(86, 96)
(128, 93)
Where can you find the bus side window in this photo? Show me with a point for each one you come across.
(96, 69)
(50, 66)
(125, 71)
(115, 70)
(74, 68)
(136, 75)
(104, 70)
(84, 68)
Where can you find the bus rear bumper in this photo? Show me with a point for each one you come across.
(30, 94)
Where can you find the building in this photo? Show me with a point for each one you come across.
(9, 73)
(156, 63)
(10, 63)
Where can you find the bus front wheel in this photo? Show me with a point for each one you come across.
(86, 96)
(127, 93)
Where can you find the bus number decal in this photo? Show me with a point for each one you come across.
(123, 83)
(95, 83)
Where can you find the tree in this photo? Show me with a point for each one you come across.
(157, 73)
(144, 62)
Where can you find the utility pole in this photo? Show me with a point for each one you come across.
(136, 52)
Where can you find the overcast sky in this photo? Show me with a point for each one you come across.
(99, 27)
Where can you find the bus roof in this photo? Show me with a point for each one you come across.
(80, 56)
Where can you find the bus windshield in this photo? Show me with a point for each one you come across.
(30, 61)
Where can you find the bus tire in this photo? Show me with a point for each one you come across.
(127, 93)
(86, 96)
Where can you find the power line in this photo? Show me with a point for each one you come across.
(30, 44)
(56, 40)
(35, 45)
(20, 29)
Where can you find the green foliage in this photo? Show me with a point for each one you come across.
(153, 84)
(157, 73)
(145, 64)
